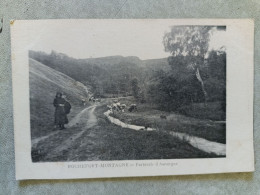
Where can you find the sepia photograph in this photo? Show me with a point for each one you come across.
(116, 91)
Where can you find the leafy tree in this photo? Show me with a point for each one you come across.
(188, 46)
(217, 64)
(170, 92)
(215, 83)
(135, 87)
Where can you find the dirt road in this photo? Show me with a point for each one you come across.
(79, 125)
(85, 119)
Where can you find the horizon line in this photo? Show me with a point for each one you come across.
(97, 57)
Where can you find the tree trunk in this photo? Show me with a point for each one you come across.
(202, 85)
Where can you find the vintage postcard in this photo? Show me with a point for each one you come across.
(122, 98)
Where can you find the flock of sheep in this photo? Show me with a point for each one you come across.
(92, 99)
(117, 106)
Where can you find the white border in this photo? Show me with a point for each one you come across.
(240, 156)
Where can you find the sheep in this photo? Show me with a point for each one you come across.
(115, 100)
(123, 106)
(163, 117)
(97, 100)
(132, 107)
(83, 101)
(114, 106)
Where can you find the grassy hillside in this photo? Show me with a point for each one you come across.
(44, 83)
(105, 75)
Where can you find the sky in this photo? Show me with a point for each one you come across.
(99, 38)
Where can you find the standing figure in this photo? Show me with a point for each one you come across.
(62, 108)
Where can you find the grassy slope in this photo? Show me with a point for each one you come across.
(148, 115)
(121, 143)
(44, 83)
(106, 141)
(212, 111)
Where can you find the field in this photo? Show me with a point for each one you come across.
(211, 110)
(149, 115)
(123, 143)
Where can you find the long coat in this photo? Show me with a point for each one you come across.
(60, 111)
